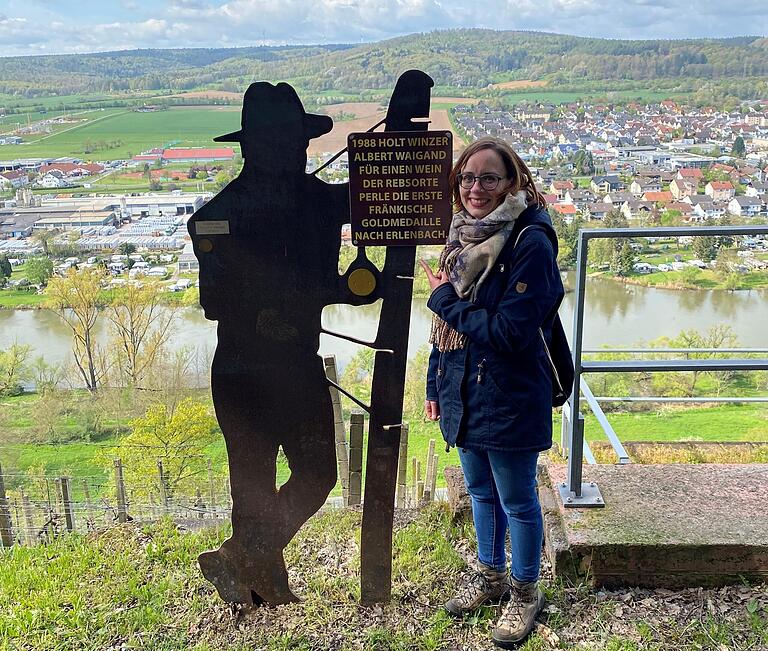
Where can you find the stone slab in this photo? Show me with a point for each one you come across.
(671, 525)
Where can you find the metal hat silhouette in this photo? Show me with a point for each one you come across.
(268, 108)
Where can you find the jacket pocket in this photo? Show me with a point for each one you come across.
(501, 398)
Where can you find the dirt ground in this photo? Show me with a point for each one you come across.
(369, 114)
(519, 84)
(210, 94)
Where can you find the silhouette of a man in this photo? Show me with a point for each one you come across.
(268, 248)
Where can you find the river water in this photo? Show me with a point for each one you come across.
(615, 315)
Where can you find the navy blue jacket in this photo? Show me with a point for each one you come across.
(496, 393)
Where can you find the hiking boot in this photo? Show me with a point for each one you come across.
(519, 615)
(480, 588)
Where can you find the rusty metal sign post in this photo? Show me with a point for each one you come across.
(398, 185)
(268, 247)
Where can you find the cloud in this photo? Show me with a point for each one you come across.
(212, 23)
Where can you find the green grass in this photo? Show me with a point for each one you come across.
(747, 422)
(705, 279)
(16, 299)
(189, 127)
(19, 417)
(138, 587)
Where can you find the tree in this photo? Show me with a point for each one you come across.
(724, 241)
(584, 163)
(705, 246)
(75, 298)
(44, 237)
(621, 264)
(38, 270)
(126, 248)
(609, 250)
(221, 179)
(13, 369)
(5, 267)
(141, 325)
(738, 149)
(177, 437)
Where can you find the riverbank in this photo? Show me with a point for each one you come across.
(705, 279)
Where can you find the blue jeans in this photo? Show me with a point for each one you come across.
(502, 486)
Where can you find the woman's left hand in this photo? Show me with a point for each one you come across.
(434, 280)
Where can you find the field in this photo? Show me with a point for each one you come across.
(136, 132)
(125, 133)
(366, 115)
(520, 84)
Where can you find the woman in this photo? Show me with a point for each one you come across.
(489, 380)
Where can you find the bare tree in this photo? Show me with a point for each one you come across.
(75, 298)
(141, 324)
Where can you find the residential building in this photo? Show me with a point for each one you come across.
(720, 190)
(744, 206)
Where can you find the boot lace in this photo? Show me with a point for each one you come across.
(475, 585)
(512, 615)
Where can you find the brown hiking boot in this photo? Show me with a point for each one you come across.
(482, 587)
(519, 615)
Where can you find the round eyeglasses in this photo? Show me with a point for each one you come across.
(487, 181)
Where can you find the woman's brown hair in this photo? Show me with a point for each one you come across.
(517, 171)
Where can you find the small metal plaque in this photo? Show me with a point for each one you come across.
(212, 227)
(398, 187)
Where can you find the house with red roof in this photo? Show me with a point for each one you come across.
(658, 197)
(559, 188)
(72, 170)
(720, 190)
(690, 174)
(198, 155)
(13, 179)
(566, 210)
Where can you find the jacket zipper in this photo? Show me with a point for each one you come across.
(480, 368)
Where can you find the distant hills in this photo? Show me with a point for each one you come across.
(465, 58)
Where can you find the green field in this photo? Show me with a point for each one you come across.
(184, 127)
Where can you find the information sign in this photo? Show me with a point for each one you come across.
(398, 187)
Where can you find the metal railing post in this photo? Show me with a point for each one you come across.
(573, 492)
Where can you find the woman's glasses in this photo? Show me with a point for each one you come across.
(487, 181)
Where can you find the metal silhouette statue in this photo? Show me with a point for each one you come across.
(268, 247)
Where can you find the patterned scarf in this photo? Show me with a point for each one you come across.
(469, 255)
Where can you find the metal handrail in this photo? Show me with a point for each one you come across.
(573, 492)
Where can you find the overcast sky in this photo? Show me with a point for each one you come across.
(60, 26)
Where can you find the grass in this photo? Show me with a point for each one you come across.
(135, 587)
(187, 127)
(747, 422)
(16, 299)
(20, 417)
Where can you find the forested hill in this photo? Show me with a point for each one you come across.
(470, 58)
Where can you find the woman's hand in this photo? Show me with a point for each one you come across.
(431, 409)
(434, 280)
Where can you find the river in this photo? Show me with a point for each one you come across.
(616, 315)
